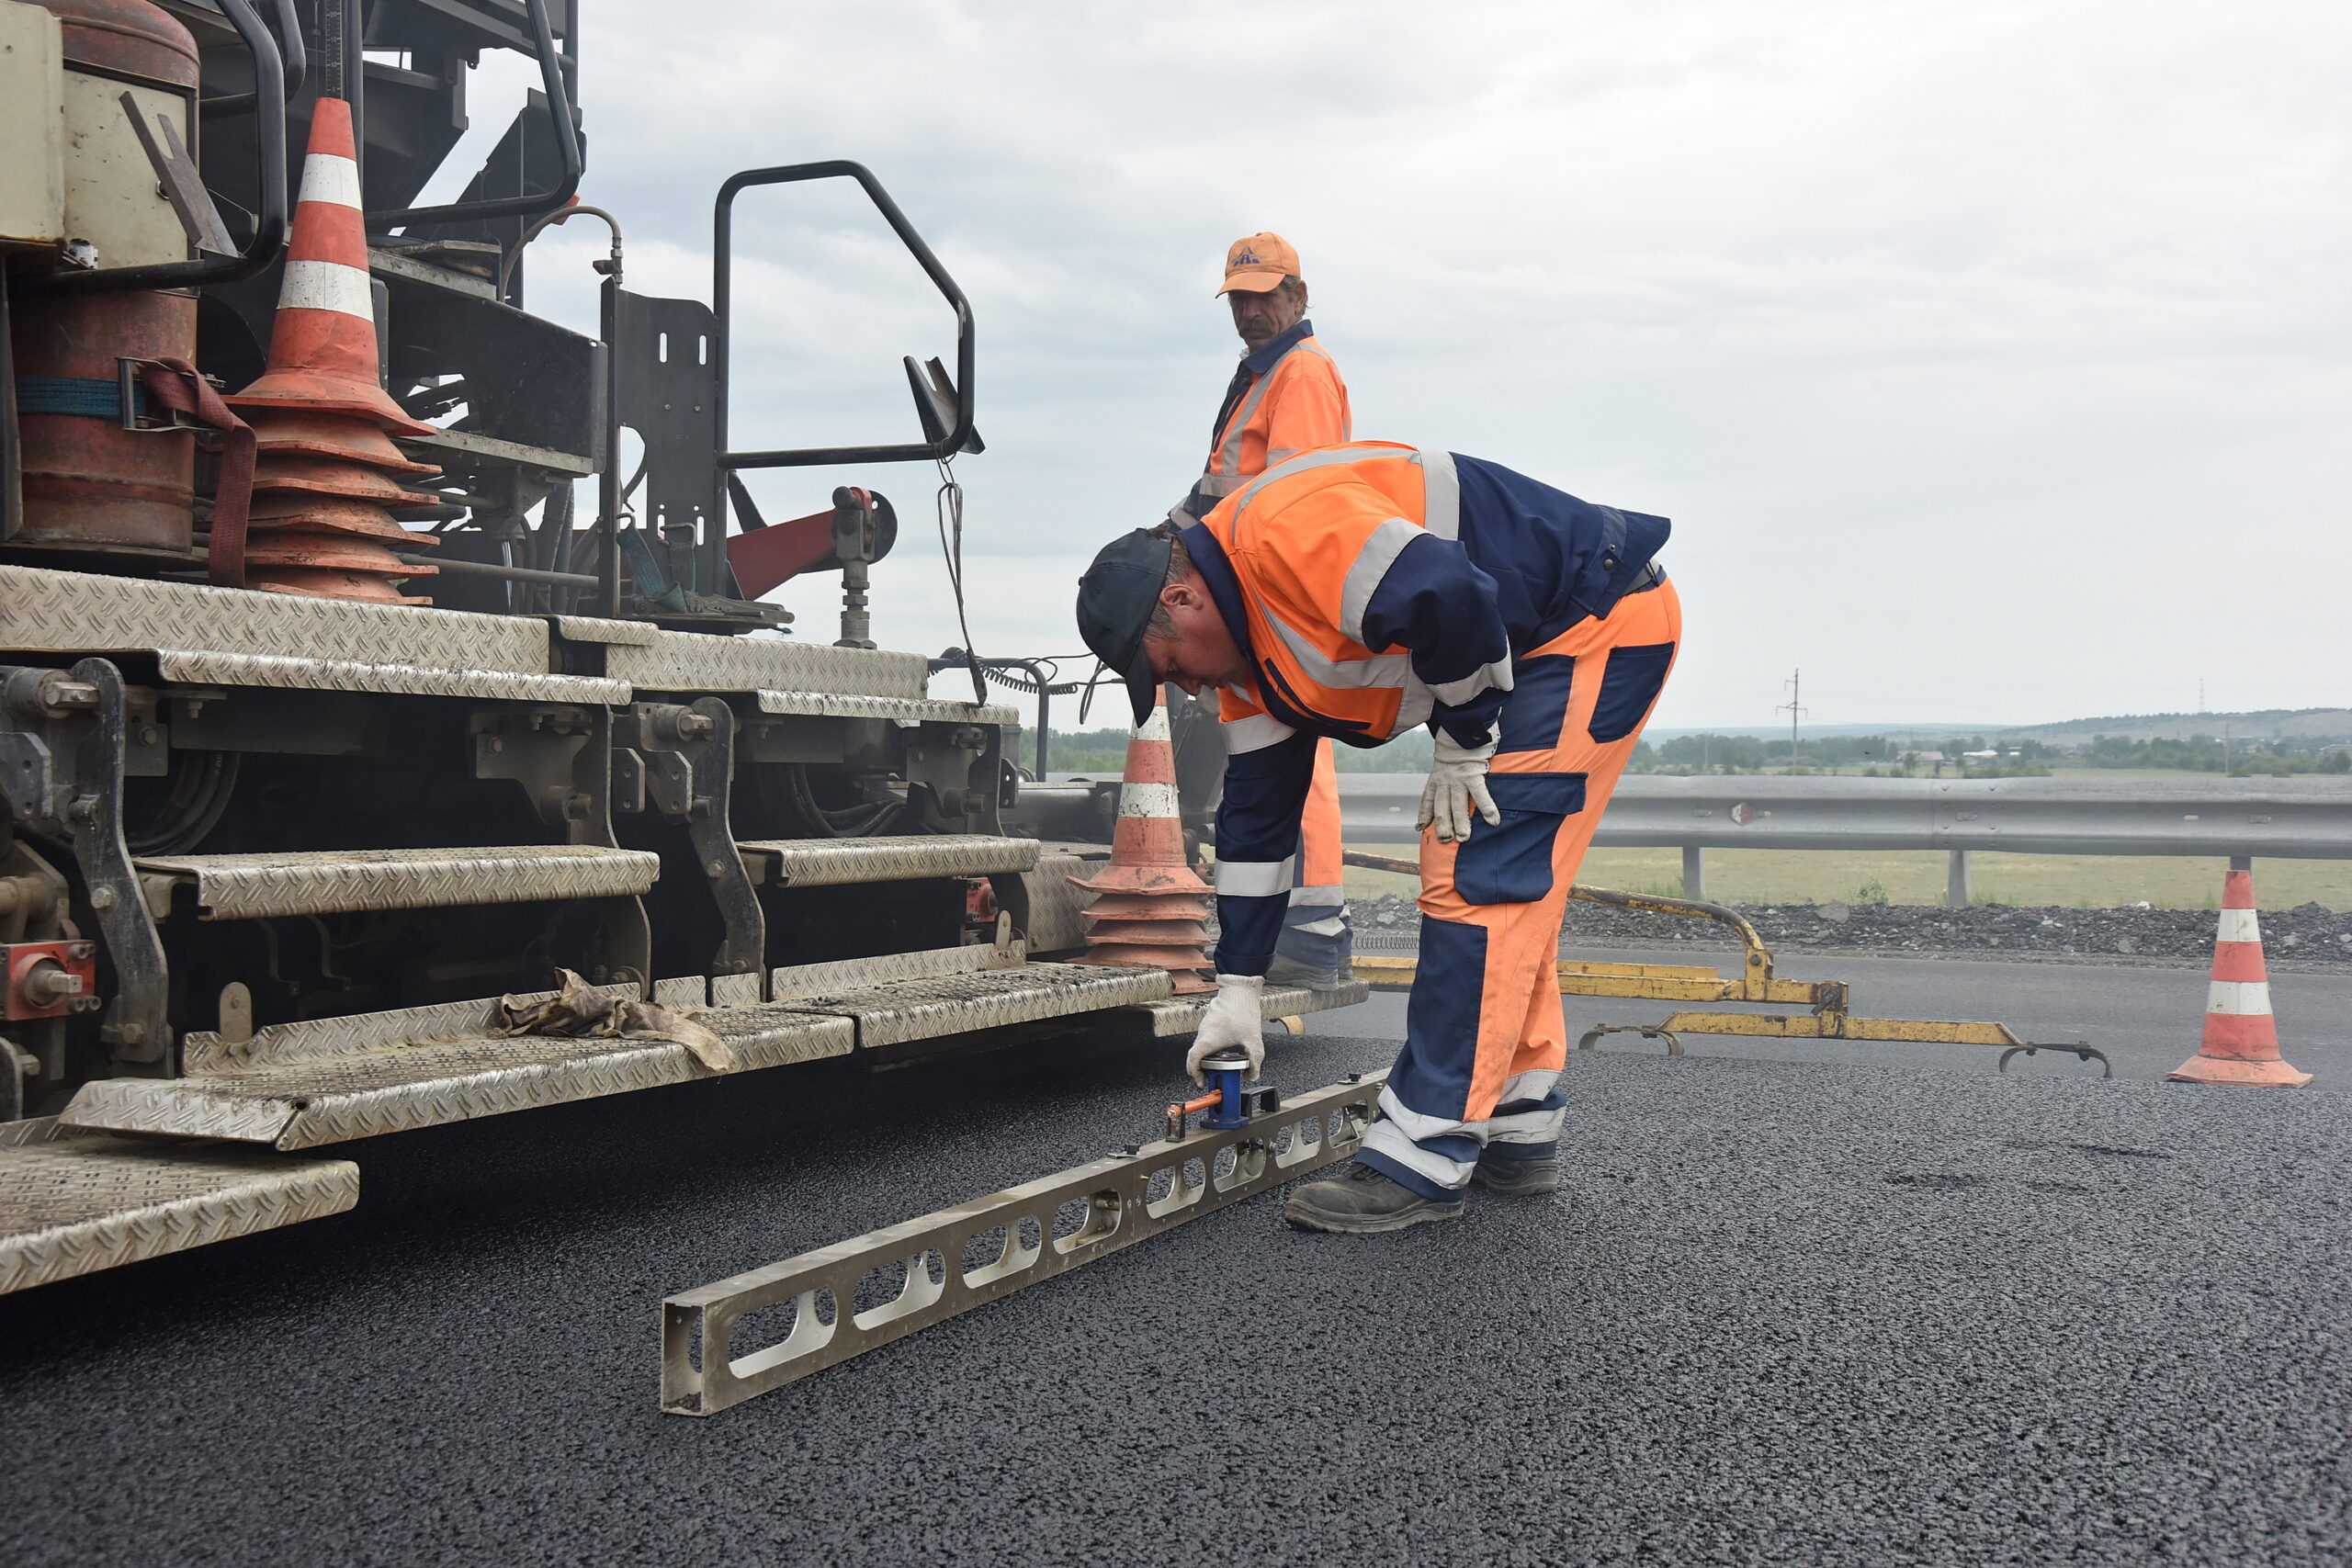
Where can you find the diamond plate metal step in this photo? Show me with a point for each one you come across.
(955, 1004)
(830, 862)
(74, 1204)
(1182, 1015)
(319, 881)
(74, 612)
(301, 1085)
(898, 710)
(397, 1088)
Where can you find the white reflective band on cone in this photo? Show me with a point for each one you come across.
(2239, 998)
(1148, 800)
(329, 178)
(327, 286)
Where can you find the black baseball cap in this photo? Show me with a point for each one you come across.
(1115, 599)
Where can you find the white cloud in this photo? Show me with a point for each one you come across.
(1991, 358)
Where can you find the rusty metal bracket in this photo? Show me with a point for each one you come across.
(688, 754)
(60, 768)
(949, 1262)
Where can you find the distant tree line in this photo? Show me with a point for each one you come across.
(1882, 755)
(1899, 756)
(2205, 754)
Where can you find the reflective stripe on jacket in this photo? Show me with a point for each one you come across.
(1286, 399)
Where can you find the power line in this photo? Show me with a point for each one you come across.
(1795, 684)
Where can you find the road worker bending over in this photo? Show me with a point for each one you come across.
(1287, 398)
(1355, 591)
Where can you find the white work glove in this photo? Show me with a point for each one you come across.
(1233, 1017)
(1457, 786)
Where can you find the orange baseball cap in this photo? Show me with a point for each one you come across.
(1259, 264)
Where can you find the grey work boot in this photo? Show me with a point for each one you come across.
(1363, 1201)
(1516, 1178)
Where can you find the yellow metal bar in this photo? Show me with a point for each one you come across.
(1640, 982)
(1385, 973)
(1645, 971)
(1834, 1026)
(1828, 1018)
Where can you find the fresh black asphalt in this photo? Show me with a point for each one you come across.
(1804, 1313)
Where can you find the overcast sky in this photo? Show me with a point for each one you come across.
(1990, 357)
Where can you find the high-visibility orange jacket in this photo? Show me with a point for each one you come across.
(1374, 588)
(1287, 398)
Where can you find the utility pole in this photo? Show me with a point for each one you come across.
(1796, 690)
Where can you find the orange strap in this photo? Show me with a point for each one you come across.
(176, 384)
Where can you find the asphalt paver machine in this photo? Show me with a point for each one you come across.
(330, 721)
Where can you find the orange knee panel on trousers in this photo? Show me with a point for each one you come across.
(1521, 1023)
(1318, 849)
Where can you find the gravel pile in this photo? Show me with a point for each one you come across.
(2309, 935)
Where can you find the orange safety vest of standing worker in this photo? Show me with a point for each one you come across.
(1286, 398)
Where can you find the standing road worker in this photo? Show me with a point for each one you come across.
(1357, 592)
(1286, 398)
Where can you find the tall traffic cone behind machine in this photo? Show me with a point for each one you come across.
(2241, 1035)
(1148, 905)
(323, 485)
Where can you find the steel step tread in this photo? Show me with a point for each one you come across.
(899, 710)
(398, 1088)
(296, 1096)
(319, 881)
(926, 1008)
(825, 863)
(1182, 1015)
(72, 1205)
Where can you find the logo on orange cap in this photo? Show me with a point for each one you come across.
(1259, 264)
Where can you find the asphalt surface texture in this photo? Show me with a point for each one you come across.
(1783, 1313)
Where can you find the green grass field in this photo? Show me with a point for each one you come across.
(1917, 876)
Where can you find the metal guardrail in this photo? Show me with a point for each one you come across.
(2285, 818)
(2281, 818)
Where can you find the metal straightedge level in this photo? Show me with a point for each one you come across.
(1825, 1001)
(1128, 1197)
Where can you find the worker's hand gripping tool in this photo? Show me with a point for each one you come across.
(1229, 1102)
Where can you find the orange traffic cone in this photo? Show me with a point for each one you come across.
(1148, 905)
(2240, 1043)
(323, 426)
